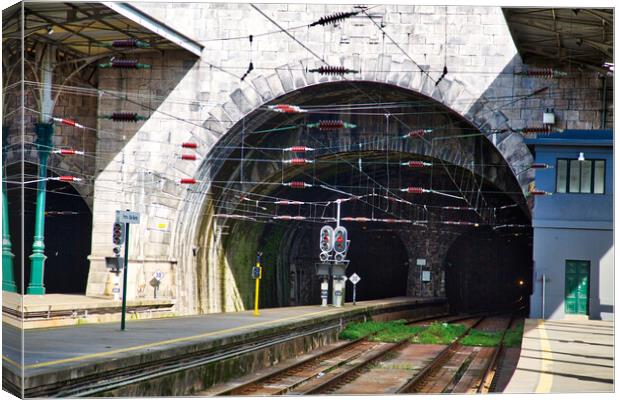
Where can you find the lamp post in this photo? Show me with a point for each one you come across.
(43, 142)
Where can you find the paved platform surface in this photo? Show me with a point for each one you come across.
(54, 349)
(562, 356)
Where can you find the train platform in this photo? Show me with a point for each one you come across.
(88, 353)
(565, 356)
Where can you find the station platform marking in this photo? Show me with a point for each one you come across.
(545, 381)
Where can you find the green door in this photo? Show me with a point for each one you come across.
(577, 287)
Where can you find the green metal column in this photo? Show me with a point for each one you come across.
(8, 281)
(44, 133)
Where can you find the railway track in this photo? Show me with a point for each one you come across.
(459, 368)
(328, 371)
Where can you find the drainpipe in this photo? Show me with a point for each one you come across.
(44, 131)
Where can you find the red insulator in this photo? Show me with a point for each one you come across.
(539, 166)
(299, 149)
(416, 190)
(124, 116)
(116, 63)
(417, 164)
(298, 185)
(68, 178)
(189, 181)
(418, 133)
(538, 192)
(191, 157)
(66, 151)
(189, 145)
(298, 161)
(330, 125)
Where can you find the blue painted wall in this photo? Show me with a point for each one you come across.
(573, 226)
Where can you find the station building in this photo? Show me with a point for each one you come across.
(573, 227)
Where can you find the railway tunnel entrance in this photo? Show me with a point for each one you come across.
(420, 190)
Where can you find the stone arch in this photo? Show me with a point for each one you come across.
(453, 94)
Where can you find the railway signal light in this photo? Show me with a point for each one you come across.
(118, 237)
(340, 240)
(326, 240)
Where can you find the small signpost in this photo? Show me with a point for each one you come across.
(155, 281)
(126, 217)
(355, 278)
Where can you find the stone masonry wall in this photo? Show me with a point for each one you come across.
(201, 99)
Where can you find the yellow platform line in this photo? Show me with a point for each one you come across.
(545, 379)
(15, 364)
(165, 342)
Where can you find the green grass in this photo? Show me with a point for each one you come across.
(395, 333)
(481, 338)
(513, 336)
(439, 333)
(358, 330)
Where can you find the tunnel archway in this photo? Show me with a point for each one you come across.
(68, 230)
(242, 177)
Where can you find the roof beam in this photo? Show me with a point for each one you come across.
(51, 21)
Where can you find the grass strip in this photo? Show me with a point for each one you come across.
(358, 330)
(396, 333)
(514, 336)
(439, 333)
(476, 337)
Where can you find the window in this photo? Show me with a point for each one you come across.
(574, 176)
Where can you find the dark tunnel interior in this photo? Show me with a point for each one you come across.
(68, 229)
(478, 263)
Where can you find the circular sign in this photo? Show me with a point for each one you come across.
(159, 275)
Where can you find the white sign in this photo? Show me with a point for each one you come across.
(421, 262)
(127, 217)
(426, 276)
(159, 275)
(355, 278)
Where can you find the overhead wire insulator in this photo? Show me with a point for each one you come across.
(538, 192)
(298, 149)
(417, 164)
(124, 117)
(67, 122)
(188, 181)
(417, 133)
(125, 64)
(298, 184)
(466, 223)
(289, 203)
(540, 166)
(331, 125)
(287, 109)
(298, 161)
(543, 73)
(290, 217)
(543, 130)
(129, 43)
(356, 219)
(334, 18)
(189, 145)
(415, 190)
(333, 70)
(190, 157)
(394, 220)
(66, 152)
(65, 178)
